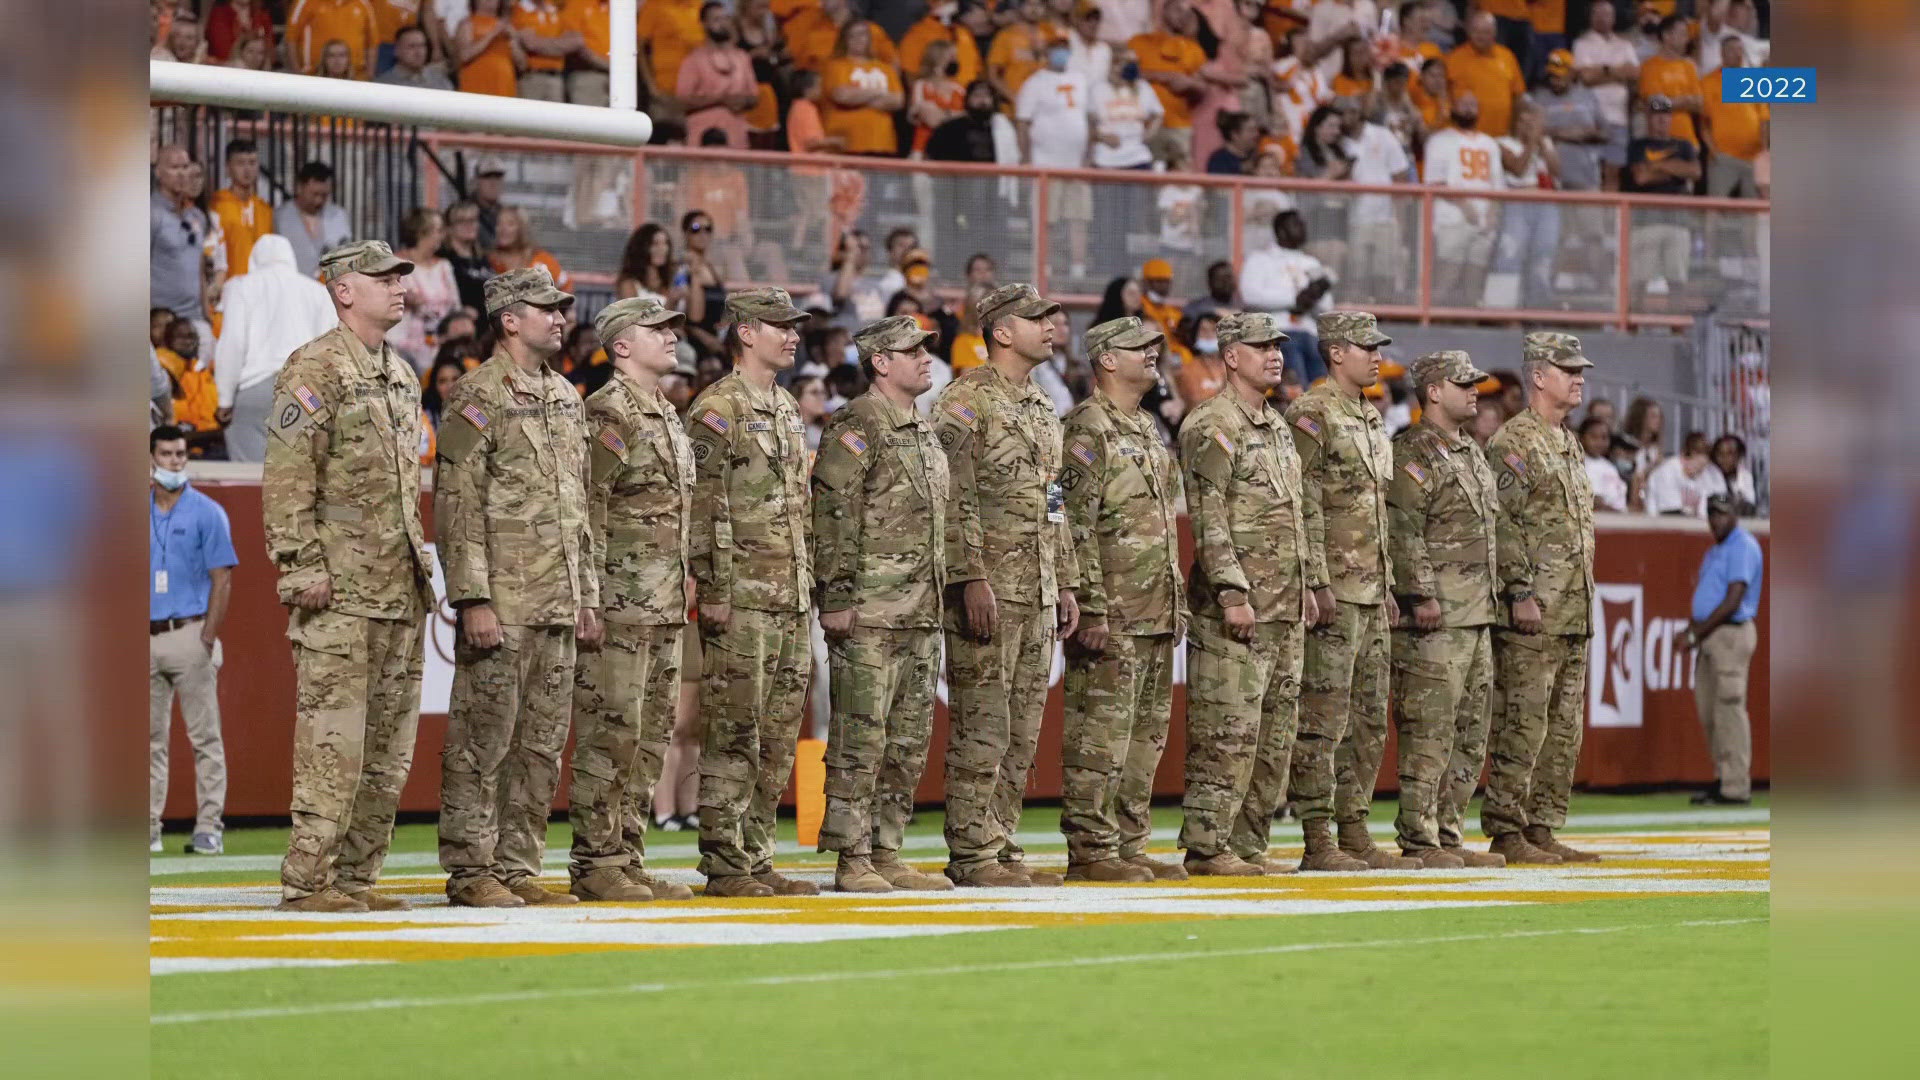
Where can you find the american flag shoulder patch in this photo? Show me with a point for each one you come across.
(307, 398)
(1082, 451)
(715, 421)
(1513, 462)
(965, 415)
(1419, 474)
(613, 440)
(1225, 443)
(1307, 424)
(852, 441)
(475, 417)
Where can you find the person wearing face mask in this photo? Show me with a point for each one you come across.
(1156, 302)
(716, 83)
(941, 23)
(936, 96)
(191, 561)
(1126, 115)
(969, 136)
(1051, 119)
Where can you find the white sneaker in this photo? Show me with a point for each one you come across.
(153, 845)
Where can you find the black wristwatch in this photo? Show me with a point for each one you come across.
(1523, 594)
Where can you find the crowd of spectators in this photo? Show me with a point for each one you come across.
(1221, 86)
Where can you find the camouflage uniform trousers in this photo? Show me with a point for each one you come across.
(506, 726)
(882, 684)
(1118, 706)
(624, 695)
(357, 711)
(1343, 715)
(751, 695)
(1243, 712)
(1539, 707)
(1441, 679)
(998, 696)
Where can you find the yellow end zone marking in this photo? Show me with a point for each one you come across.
(270, 948)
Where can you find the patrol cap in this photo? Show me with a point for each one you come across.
(633, 311)
(1552, 347)
(769, 305)
(1352, 328)
(1123, 333)
(897, 333)
(361, 257)
(529, 285)
(1249, 328)
(1016, 298)
(1447, 365)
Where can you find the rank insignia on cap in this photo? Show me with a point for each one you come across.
(1083, 452)
(475, 417)
(715, 421)
(1418, 473)
(613, 440)
(307, 398)
(1308, 425)
(852, 441)
(1225, 443)
(1513, 462)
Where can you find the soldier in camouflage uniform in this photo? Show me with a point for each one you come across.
(341, 500)
(1123, 500)
(749, 550)
(1546, 573)
(1010, 560)
(1440, 519)
(879, 521)
(1251, 606)
(639, 491)
(510, 512)
(1346, 461)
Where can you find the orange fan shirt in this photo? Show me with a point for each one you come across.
(913, 48)
(1676, 77)
(313, 23)
(1494, 78)
(243, 219)
(546, 20)
(867, 130)
(492, 71)
(1738, 126)
(1165, 52)
(670, 29)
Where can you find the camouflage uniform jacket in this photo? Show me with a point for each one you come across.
(1545, 535)
(1008, 522)
(639, 492)
(880, 493)
(748, 543)
(1346, 460)
(1250, 516)
(1441, 513)
(510, 495)
(341, 487)
(1123, 497)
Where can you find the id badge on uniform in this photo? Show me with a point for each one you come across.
(159, 581)
(1056, 502)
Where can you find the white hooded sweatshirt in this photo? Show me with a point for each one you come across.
(267, 312)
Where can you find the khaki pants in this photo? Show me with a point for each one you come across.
(587, 88)
(357, 710)
(178, 662)
(506, 725)
(543, 86)
(1720, 694)
(997, 697)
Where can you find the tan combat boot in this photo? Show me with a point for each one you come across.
(660, 887)
(1225, 864)
(737, 885)
(1322, 853)
(1109, 870)
(378, 901)
(1541, 836)
(1270, 866)
(609, 885)
(1477, 860)
(329, 901)
(1519, 852)
(783, 885)
(1041, 879)
(856, 874)
(1437, 859)
(530, 891)
(993, 875)
(1357, 842)
(1161, 871)
(485, 892)
(901, 876)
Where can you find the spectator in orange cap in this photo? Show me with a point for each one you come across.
(1156, 303)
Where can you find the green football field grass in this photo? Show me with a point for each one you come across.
(1654, 984)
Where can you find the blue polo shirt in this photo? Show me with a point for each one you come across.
(185, 542)
(1737, 558)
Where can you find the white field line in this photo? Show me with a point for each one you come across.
(882, 974)
(664, 846)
